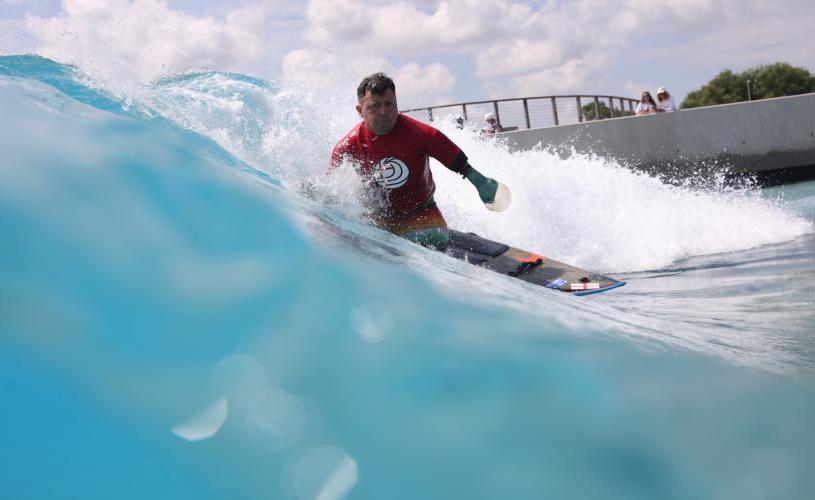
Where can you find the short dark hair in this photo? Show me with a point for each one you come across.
(378, 84)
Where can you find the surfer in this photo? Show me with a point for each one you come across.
(392, 151)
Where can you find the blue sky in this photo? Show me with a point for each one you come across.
(438, 51)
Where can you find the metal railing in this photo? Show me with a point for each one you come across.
(533, 112)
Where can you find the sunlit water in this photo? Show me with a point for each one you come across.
(178, 321)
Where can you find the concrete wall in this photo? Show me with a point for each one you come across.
(749, 137)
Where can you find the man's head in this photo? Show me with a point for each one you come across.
(376, 96)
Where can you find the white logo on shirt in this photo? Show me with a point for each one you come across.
(391, 173)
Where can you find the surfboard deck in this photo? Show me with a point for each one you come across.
(527, 266)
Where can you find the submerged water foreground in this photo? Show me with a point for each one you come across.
(176, 322)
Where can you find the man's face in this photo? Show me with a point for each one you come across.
(379, 112)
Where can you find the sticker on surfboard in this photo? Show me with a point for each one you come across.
(556, 283)
(584, 286)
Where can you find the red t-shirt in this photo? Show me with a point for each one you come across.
(398, 162)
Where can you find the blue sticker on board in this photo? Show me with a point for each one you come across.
(556, 283)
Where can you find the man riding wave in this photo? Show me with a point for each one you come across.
(392, 151)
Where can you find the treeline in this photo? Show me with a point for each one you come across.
(589, 113)
(773, 80)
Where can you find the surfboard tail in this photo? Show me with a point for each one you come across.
(527, 266)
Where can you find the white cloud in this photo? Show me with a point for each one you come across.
(567, 78)
(516, 48)
(564, 48)
(571, 47)
(752, 38)
(13, 38)
(431, 47)
(352, 38)
(336, 22)
(143, 39)
(453, 25)
(402, 29)
(636, 89)
(320, 70)
(518, 56)
(430, 84)
(339, 71)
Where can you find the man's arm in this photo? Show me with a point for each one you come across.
(342, 151)
(440, 147)
(487, 187)
(336, 159)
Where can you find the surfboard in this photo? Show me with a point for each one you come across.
(527, 266)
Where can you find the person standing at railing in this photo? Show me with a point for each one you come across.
(664, 101)
(391, 152)
(646, 105)
(493, 127)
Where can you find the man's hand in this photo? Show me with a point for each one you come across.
(486, 187)
(495, 195)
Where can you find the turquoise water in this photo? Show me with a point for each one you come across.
(178, 321)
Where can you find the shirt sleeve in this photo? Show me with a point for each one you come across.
(440, 147)
(341, 152)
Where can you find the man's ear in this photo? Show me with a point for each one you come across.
(359, 109)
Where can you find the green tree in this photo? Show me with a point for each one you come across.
(766, 81)
(589, 112)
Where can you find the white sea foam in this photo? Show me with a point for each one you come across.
(597, 214)
(584, 210)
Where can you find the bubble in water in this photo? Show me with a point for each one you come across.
(239, 376)
(371, 323)
(323, 473)
(204, 424)
(277, 416)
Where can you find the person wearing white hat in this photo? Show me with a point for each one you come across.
(664, 101)
(493, 126)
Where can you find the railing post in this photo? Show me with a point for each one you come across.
(495, 108)
(526, 114)
(579, 110)
(596, 108)
(611, 106)
(554, 110)
(464, 111)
